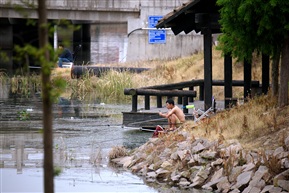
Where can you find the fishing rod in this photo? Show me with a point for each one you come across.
(109, 125)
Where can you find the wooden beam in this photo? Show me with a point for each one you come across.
(153, 92)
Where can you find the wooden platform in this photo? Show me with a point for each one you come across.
(148, 119)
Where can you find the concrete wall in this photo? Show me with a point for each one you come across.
(108, 43)
(139, 47)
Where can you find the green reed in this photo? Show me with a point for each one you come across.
(107, 88)
(110, 86)
(24, 85)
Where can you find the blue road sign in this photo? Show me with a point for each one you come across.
(156, 36)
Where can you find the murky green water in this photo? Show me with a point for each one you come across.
(84, 133)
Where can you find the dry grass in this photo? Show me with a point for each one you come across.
(188, 68)
(256, 124)
(63, 72)
(117, 151)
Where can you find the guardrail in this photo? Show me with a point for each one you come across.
(176, 89)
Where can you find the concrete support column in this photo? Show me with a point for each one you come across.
(82, 37)
(86, 37)
(6, 45)
(77, 40)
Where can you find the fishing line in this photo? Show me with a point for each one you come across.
(109, 125)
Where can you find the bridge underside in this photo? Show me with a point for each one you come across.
(90, 16)
(16, 32)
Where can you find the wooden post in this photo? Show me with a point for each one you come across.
(191, 99)
(185, 102)
(147, 102)
(265, 73)
(159, 101)
(228, 79)
(201, 92)
(134, 103)
(180, 99)
(207, 66)
(247, 78)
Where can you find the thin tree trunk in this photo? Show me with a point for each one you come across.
(284, 74)
(46, 99)
(275, 73)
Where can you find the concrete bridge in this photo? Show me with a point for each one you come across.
(83, 10)
(111, 31)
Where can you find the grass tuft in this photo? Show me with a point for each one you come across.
(117, 151)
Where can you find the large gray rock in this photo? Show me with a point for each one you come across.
(243, 179)
(223, 185)
(236, 171)
(285, 163)
(248, 167)
(278, 151)
(201, 177)
(184, 183)
(217, 176)
(197, 148)
(208, 155)
(284, 184)
(257, 182)
(287, 143)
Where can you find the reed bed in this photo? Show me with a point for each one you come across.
(110, 86)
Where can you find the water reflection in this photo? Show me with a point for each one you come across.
(82, 156)
(84, 133)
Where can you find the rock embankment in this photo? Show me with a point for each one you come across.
(181, 160)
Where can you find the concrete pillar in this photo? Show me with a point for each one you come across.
(6, 47)
(77, 40)
(82, 37)
(86, 38)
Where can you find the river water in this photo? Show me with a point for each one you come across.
(84, 133)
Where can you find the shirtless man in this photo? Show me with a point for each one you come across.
(175, 115)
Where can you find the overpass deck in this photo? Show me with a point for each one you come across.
(88, 10)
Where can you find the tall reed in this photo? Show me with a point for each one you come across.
(111, 86)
